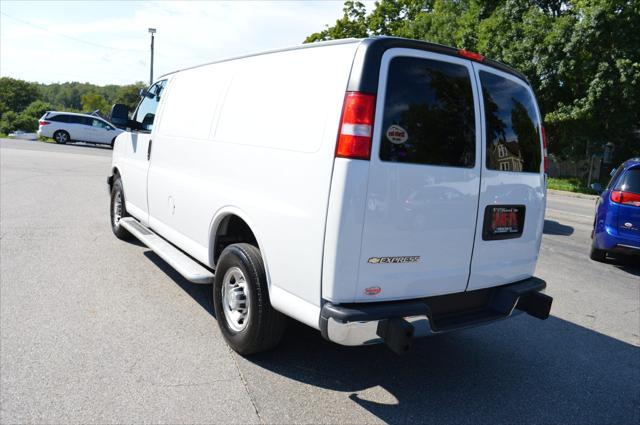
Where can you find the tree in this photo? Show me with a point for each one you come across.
(352, 24)
(37, 108)
(581, 57)
(17, 94)
(129, 95)
(93, 101)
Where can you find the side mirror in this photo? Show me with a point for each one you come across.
(120, 115)
(596, 187)
(145, 93)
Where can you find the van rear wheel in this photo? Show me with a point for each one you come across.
(241, 301)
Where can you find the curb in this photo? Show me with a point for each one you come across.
(572, 194)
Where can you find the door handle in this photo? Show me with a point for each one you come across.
(149, 151)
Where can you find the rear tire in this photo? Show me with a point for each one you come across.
(61, 137)
(118, 210)
(596, 254)
(241, 300)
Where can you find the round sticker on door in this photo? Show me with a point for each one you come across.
(397, 134)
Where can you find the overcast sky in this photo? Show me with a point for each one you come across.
(108, 42)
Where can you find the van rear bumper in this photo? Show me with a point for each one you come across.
(368, 323)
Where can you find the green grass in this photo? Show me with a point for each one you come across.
(569, 185)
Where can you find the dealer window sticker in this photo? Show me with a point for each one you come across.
(397, 135)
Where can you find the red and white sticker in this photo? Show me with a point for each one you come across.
(372, 290)
(397, 134)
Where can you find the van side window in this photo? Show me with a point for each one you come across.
(513, 129)
(429, 115)
(146, 111)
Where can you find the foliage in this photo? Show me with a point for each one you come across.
(582, 57)
(11, 121)
(17, 94)
(569, 185)
(93, 101)
(129, 95)
(37, 108)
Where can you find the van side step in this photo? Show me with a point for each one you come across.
(181, 262)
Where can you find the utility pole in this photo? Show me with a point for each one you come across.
(151, 31)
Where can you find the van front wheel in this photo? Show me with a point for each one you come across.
(241, 301)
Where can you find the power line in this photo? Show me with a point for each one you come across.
(70, 37)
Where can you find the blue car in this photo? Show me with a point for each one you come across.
(616, 227)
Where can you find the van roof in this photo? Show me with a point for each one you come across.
(369, 57)
(266, 52)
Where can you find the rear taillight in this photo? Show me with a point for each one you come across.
(625, 198)
(356, 126)
(42, 122)
(545, 158)
(471, 55)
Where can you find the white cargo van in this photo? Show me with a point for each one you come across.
(376, 190)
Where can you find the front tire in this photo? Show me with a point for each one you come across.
(61, 137)
(118, 210)
(596, 254)
(241, 301)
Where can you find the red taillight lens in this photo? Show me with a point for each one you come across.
(41, 122)
(356, 126)
(471, 55)
(625, 198)
(545, 158)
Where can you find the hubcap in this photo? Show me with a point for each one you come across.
(235, 299)
(117, 208)
(62, 137)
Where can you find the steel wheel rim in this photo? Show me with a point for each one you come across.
(117, 208)
(235, 299)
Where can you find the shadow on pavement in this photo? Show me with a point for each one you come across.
(626, 263)
(89, 145)
(552, 227)
(202, 294)
(520, 370)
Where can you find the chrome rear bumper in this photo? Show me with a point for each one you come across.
(362, 323)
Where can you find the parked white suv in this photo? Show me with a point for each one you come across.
(376, 190)
(66, 127)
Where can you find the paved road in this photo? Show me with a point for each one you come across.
(96, 330)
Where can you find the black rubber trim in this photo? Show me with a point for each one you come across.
(365, 71)
(110, 183)
(445, 311)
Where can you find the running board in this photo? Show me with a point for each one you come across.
(185, 265)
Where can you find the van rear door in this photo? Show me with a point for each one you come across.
(512, 194)
(424, 178)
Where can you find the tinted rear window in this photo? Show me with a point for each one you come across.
(630, 181)
(428, 114)
(513, 138)
(59, 118)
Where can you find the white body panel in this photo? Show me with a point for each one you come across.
(438, 225)
(256, 137)
(498, 262)
(231, 138)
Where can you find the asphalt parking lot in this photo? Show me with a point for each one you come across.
(96, 330)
